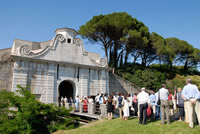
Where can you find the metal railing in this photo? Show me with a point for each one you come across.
(90, 109)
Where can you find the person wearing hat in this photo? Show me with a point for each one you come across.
(143, 100)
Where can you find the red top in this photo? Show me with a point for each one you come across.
(170, 96)
(85, 102)
(134, 98)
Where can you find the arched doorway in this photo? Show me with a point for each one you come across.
(66, 89)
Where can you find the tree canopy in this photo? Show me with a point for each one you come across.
(111, 30)
(126, 39)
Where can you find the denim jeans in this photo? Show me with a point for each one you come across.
(158, 114)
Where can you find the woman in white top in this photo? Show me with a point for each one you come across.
(126, 107)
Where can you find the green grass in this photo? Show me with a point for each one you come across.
(131, 126)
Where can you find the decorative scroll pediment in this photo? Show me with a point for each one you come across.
(26, 50)
(64, 47)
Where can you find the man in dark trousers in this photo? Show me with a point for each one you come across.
(143, 100)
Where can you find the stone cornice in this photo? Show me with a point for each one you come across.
(14, 57)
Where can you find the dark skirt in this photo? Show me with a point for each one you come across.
(109, 107)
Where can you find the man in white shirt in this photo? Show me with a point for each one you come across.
(143, 100)
(164, 93)
(97, 99)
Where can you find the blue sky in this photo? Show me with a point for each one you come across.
(36, 20)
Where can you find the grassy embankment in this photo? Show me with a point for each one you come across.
(131, 126)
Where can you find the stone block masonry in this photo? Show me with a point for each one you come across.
(118, 84)
(6, 75)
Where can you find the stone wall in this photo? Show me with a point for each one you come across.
(5, 75)
(5, 54)
(118, 84)
(44, 78)
(36, 75)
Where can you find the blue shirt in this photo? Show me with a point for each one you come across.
(190, 91)
(152, 99)
(199, 96)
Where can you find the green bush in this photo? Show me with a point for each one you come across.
(179, 81)
(154, 76)
(22, 113)
(149, 78)
(176, 82)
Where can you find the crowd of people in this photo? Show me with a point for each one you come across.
(183, 105)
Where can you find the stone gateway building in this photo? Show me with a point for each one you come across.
(56, 68)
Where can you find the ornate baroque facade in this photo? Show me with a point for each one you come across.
(58, 67)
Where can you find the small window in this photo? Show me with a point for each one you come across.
(68, 40)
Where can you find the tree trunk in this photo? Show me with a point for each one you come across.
(144, 59)
(115, 54)
(106, 53)
(110, 55)
(121, 60)
(126, 57)
(186, 65)
(135, 57)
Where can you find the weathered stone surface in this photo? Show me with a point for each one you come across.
(91, 108)
(118, 84)
(5, 54)
(103, 109)
(5, 75)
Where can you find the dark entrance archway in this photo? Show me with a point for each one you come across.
(66, 89)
